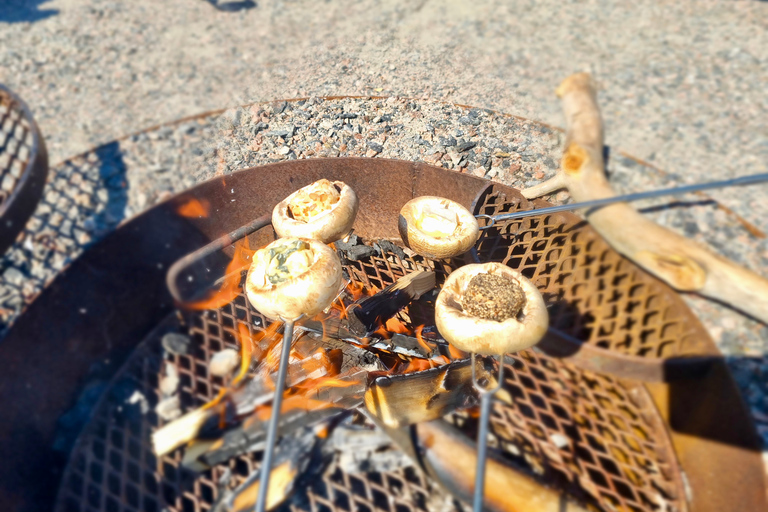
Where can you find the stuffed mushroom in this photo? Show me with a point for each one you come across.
(490, 309)
(322, 211)
(292, 277)
(436, 227)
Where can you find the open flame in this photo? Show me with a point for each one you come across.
(230, 287)
(194, 208)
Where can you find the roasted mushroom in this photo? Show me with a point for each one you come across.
(292, 277)
(436, 227)
(490, 309)
(322, 211)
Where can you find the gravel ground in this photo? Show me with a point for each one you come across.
(683, 88)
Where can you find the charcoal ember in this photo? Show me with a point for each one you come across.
(351, 242)
(385, 246)
(176, 343)
(360, 252)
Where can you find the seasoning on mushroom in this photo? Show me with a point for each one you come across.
(322, 211)
(490, 309)
(436, 227)
(292, 277)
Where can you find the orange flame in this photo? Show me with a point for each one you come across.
(418, 365)
(194, 208)
(421, 341)
(246, 352)
(456, 353)
(230, 288)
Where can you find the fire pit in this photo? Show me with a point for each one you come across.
(625, 407)
(23, 166)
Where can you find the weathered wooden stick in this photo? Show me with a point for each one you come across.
(450, 458)
(682, 263)
(556, 182)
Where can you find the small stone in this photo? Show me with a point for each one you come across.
(464, 146)
(375, 146)
(176, 343)
(13, 276)
(447, 141)
(223, 362)
(169, 409)
(283, 150)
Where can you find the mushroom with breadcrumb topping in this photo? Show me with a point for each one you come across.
(490, 309)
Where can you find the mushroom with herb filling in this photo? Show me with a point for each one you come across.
(322, 211)
(490, 309)
(436, 227)
(292, 277)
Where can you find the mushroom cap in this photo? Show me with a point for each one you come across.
(305, 294)
(460, 241)
(329, 226)
(489, 337)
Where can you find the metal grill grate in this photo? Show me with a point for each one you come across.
(588, 431)
(16, 140)
(593, 293)
(589, 434)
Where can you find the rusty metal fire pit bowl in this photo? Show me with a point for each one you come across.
(23, 166)
(625, 407)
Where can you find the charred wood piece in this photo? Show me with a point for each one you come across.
(401, 400)
(450, 458)
(295, 454)
(369, 313)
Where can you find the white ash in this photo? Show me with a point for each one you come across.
(224, 362)
(138, 398)
(170, 382)
(169, 408)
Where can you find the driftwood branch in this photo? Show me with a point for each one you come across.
(545, 187)
(682, 263)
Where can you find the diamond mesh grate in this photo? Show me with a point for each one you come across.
(591, 435)
(16, 142)
(590, 432)
(593, 293)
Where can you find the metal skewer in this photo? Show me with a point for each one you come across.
(637, 196)
(277, 402)
(482, 437)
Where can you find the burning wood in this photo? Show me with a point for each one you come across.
(370, 313)
(230, 285)
(292, 459)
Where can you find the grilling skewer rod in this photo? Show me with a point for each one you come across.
(637, 196)
(482, 437)
(277, 403)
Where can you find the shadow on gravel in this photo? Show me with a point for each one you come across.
(19, 11)
(232, 6)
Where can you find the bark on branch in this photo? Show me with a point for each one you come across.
(682, 263)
